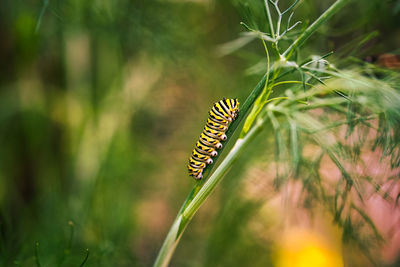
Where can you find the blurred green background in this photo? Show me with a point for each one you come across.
(101, 103)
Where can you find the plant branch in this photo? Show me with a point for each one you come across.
(313, 27)
(271, 26)
(193, 203)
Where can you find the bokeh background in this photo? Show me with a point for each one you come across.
(101, 103)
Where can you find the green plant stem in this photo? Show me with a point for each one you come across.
(192, 202)
(271, 26)
(313, 27)
(190, 208)
(204, 187)
(37, 255)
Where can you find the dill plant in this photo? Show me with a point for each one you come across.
(282, 103)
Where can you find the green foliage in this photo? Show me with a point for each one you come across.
(101, 101)
(352, 98)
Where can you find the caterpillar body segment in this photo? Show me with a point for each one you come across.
(195, 172)
(204, 149)
(220, 116)
(218, 119)
(216, 126)
(201, 157)
(196, 164)
(207, 140)
(214, 133)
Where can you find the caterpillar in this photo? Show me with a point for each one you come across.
(221, 114)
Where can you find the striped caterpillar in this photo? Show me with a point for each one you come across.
(221, 114)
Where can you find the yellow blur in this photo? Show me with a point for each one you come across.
(303, 248)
